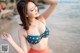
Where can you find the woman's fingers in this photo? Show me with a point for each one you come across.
(4, 35)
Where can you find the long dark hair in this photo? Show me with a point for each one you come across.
(22, 10)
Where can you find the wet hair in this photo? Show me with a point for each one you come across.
(22, 10)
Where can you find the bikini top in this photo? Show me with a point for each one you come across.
(36, 39)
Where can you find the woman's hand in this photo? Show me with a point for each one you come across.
(6, 36)
(51, 1)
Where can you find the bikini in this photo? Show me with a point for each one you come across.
(36, 39)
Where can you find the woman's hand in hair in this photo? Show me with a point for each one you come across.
(51, 1)
(48, 12)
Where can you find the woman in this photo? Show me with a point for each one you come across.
(33, 28)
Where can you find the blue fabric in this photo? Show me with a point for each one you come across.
(36, 39)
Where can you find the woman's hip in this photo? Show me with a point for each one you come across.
(45, 50)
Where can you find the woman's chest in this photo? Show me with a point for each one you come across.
(37, 29)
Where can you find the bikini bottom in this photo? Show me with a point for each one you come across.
(46, 50)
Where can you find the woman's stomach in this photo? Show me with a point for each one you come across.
(41, 45)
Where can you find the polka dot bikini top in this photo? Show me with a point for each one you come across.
(36, 39)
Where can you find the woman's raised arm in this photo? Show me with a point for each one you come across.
(52, 7)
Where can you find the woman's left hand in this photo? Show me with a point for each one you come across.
(6, 36)
(50, 1)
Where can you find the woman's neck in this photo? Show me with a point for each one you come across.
(33, 22)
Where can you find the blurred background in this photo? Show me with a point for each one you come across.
(64, 24)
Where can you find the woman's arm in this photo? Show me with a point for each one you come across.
(23, 45)
(8, 37)
(17, 48)
(52, 7)
(23, 42)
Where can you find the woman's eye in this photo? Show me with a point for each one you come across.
(32, 10)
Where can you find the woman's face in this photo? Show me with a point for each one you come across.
(32, 10)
